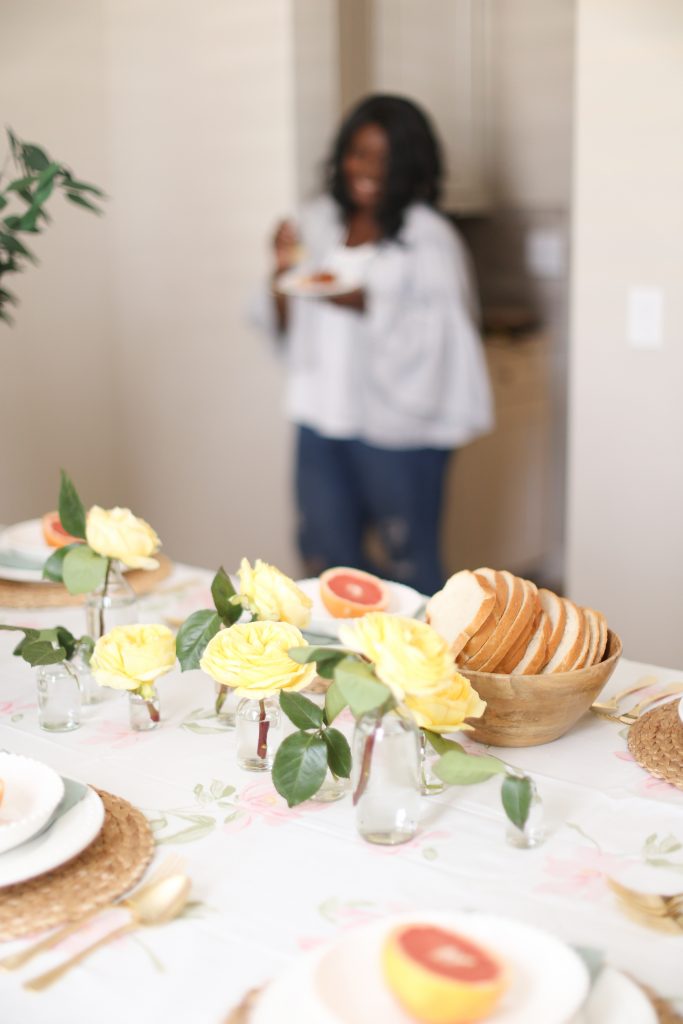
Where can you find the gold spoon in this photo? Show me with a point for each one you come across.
(648, 902)
(612, 703)
(172, 865)
(159, 904)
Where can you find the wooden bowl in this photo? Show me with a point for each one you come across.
(523, 711)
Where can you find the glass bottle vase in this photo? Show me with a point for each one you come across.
(225, 706)
(386, 778)
(112, 604)
(59, 698)
(91, 691)
(333, 788)
(534, 831)
(259, 733)
(430, 784)
(145, 713)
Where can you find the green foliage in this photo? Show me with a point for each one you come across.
(48, 646)
(458, 768)
(194, 635)
(325, 658)
(222, 592)
(71, 508)
(54, 567)
(24, 197)
(301, 711)
(516, 793)
(83, 569)
(360, 687)
(302, 760)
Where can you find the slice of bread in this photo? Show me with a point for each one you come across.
(535, 653)
(516, 653)
(554, 608)
(598, 630)
(460, 608)
(503, 642)
(581, 658)
(514, 595)
(571, 642)
(497, 581)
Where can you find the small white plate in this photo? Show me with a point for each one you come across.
(32, 790)
(344, 984)
(298, 284)
(25, 539)
(403, 601)
(615, 999)
(67, 837)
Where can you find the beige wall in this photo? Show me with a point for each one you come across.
(131, 363)
(625, 549)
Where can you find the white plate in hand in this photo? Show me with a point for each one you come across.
(302, 285)
(64, 839)
(403, 601)
(344, 983)
(32, 790)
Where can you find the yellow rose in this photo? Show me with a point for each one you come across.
(445, 710)
(251, 657)
(409, 656)
(117, 533)
(132, 657)
(269, 594)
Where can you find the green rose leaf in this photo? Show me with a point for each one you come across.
(325, 658)
(66, 640)
(221, 591)
(300, 767)
(360, 687)
(516, 794)
(53, 568)
(458, 768)
(83, 569)
(440, 744)
(42, 652)
(71, 510)
(194, 635)
(301, 711)
(29, 634)
(338, 753)
(334, 703)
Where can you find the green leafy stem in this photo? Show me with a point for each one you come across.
(50, 646)
(304, 758)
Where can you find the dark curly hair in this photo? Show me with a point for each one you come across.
(415, 163)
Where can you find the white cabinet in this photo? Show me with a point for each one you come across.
(499, 498)
(436, 52)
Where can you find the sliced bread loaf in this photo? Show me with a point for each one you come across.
(504, 641)
(535, 653)
(571, 641)
(499, 584)
(514, 595)
(554, 608)
(460, 608)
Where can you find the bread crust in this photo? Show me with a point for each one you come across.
(507, 640)
(440, 611)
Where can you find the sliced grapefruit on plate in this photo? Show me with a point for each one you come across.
(54, 533)
(349, 593)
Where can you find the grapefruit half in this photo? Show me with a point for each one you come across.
(441, 977)
(54, 533)
(350, 593)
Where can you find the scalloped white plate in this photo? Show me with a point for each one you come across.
(404, 601)
(32, 790)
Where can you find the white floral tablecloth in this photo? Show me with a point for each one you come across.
(270, 882)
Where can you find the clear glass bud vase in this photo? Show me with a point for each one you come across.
(534, 831)
(91, 691)
(144, 710)
(259, 733)
(333, 788)
(386, 778)
(430, 784)
(59, 698)
(112, 604)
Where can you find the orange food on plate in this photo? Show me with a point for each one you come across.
(322, 277)
(2, 790)
(440, 977)
(54, 533)
(349, 593)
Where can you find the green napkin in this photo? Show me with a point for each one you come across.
(73, 794)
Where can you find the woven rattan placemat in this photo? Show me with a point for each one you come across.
(656, 742)
(52, 595)
(104, 871)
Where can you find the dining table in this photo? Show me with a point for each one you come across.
(270, 883)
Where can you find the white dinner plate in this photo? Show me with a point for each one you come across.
(403, 601)
(32, 790)
(67, 837)
(298, 284)
(344, 984)
(23, 541)
(615, 999)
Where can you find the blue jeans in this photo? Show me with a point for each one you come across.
(344, 488)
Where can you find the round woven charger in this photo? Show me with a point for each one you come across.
(52, 595)
(104, 871)
(656, 742)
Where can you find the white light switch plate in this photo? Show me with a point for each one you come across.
(644, 318)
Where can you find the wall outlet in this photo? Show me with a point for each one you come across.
(644, 317)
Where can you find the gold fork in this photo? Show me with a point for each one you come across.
(172, 865)
(649, 902)
(612, 703)
(630, 716)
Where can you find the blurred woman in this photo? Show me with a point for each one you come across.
(386, 373)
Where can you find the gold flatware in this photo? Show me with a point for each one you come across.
(630, 716)
(159, 904)
(172, 865)
(649, 902)
(612, 703)
(671, 925)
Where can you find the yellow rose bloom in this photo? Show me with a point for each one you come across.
(117, 533)
(409, 656)
(269, 594)
(446, 710)
(132, 657)
(252, 658)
